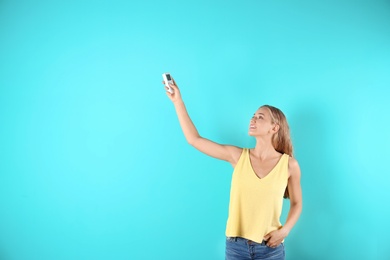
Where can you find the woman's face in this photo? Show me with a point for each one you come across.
(261, 123)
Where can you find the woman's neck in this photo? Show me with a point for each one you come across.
(264, 149)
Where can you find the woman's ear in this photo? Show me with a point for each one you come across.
(276, 128)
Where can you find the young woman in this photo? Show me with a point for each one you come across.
(262, 176)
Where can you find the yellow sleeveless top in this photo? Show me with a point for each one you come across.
(256, 203)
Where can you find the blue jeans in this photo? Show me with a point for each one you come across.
(238, 248)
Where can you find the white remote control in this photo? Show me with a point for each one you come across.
(168, 80)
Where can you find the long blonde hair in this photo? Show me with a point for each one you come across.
(281, 140)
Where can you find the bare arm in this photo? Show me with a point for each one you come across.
(223, 152)
(294, 189)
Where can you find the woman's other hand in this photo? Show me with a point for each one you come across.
(275, 237)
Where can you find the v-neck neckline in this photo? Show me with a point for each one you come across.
(270, 172)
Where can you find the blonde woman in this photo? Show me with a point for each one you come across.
(262, 176)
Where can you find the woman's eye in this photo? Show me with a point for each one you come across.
(257, 117)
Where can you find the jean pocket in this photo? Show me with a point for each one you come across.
(281, 244)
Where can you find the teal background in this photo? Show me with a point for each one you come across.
(93, 163)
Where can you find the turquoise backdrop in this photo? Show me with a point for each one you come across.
(93, 163)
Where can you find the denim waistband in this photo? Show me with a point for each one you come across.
(249, 242)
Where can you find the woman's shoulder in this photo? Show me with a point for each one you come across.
(293, 166)
(292, 161)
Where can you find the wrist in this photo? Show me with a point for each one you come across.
(178, 102)
(285, 230)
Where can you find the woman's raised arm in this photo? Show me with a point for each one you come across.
(223, 152)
